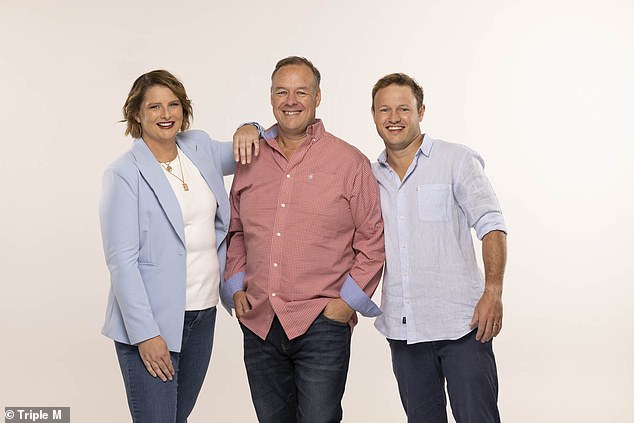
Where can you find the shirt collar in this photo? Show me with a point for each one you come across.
(426, 145)
(315, 131)
(424, 149)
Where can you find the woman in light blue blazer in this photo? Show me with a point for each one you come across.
(164, 218)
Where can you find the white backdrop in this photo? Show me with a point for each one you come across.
(542, 89)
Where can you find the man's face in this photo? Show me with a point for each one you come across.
(294, 97)
(396, 116)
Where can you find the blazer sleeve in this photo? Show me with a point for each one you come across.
(224, 155)
(221, 152)
(119, 216)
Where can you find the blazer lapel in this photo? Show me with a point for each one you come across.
(153, 174)
(206, 167)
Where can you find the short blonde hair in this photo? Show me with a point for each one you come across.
(133, 103)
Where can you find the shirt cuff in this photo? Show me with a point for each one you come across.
(489, 222)
(354, 296)
(231, 286)
(270, 133)
(257, 125)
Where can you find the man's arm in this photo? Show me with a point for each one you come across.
(487, 315)
(476, 198)
(365, 274)
(236, 259)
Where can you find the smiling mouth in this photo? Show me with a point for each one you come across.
(291, 112)
(166, 125)
(394, 128)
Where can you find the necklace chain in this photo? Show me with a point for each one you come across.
(167, 166)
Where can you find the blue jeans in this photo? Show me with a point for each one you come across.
(466, 364)
(300, 380)
(154, 401)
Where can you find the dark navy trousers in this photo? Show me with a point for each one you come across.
(466, 365)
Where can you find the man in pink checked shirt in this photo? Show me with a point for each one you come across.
(304, 257)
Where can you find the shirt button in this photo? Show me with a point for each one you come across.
(274, 294)
(288, 176)
(274, 264)
(278, 234)
(283, 205)
(402, 217)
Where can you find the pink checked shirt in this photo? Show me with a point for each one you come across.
(304, 231)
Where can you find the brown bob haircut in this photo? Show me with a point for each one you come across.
(296, 60)
(133, 103)
(402, 80)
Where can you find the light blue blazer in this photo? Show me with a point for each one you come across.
(143, 238)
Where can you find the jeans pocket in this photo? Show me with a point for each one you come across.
(333, 321)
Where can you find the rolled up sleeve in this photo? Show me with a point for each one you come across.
(476, 197)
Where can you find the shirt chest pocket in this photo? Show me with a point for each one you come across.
(434, 202)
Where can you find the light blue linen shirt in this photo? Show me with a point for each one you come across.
(432, 281)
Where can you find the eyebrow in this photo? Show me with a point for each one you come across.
(280, 87)
(169, 102)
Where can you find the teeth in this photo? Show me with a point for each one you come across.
(291, 113)
(165, 125)
(394, 128)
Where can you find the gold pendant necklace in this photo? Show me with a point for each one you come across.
(168, 168)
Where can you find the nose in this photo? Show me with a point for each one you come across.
(291, 99)
(165, 113)
(394, 117)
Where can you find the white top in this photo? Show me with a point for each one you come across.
(198, 206)
(432, 281)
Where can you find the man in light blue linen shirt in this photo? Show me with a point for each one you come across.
(439, 312)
